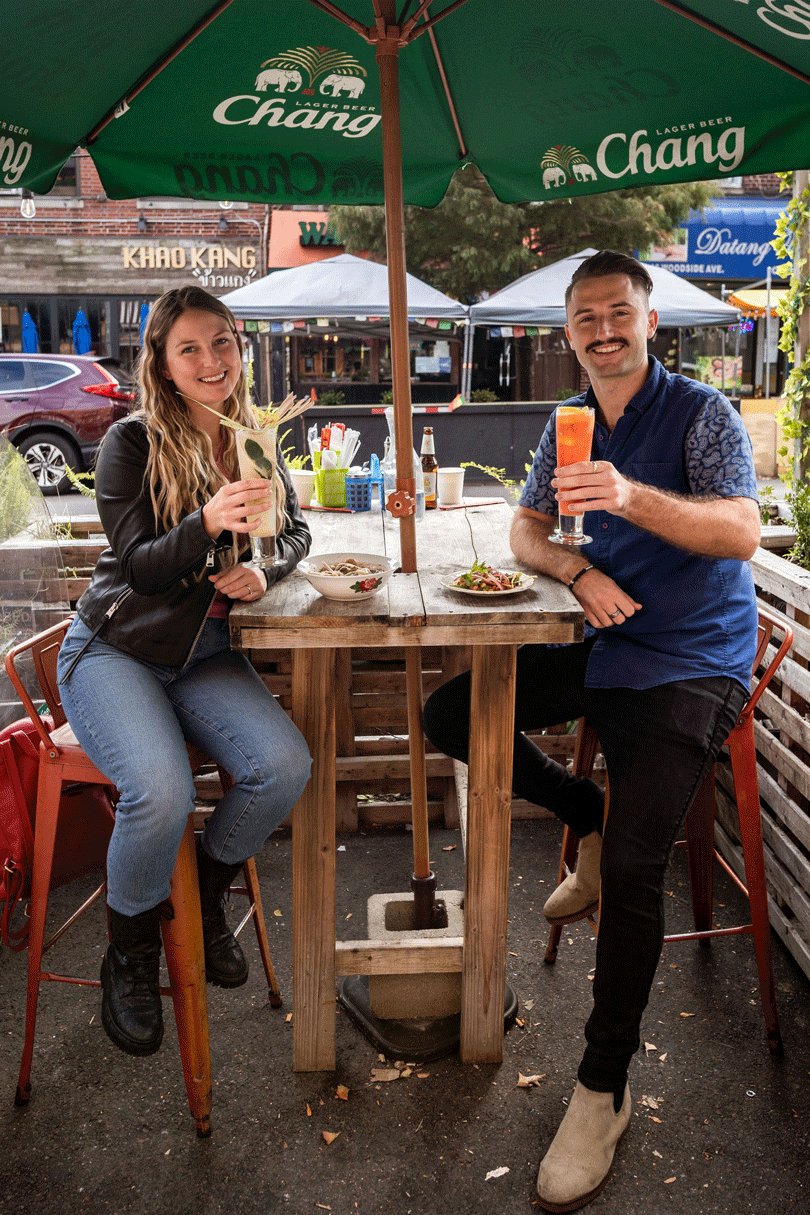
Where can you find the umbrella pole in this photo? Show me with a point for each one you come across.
(423, 882)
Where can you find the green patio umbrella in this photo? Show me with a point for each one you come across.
(310, 101)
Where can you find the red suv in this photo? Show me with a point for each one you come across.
(56, 409)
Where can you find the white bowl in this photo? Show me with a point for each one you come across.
(347, 586)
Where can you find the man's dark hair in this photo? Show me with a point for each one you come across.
(607, 262)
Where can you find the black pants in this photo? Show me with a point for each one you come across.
(658, 745)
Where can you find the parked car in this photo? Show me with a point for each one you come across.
(56, 409)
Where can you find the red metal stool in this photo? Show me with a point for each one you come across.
(63, 761)
(700, 833)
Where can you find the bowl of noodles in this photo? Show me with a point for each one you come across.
(346, 576)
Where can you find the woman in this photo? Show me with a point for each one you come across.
(147, 663)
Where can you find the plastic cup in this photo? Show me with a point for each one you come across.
(450, 486)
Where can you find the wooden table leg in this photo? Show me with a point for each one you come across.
(487, 883)
(313, 696)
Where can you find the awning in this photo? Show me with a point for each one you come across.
(753, 301)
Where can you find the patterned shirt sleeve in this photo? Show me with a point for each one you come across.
(538, 492)
(719, 457)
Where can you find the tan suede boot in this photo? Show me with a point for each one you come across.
(578, 895)
(577, 1165)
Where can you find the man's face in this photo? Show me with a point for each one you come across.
(609, 325)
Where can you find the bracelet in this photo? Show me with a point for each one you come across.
(579, 574)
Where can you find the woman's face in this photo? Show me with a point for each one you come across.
(202, 357)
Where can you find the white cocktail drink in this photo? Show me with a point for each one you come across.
(256, 451)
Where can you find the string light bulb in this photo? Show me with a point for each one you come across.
(28, 207)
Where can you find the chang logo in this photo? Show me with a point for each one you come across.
(339, 74)
(313, 88)
(560, 162)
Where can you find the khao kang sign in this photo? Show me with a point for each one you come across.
(211, 265)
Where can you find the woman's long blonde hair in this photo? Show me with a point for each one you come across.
(182, 472)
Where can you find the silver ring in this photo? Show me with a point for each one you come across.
(595, 469)
(613, 615)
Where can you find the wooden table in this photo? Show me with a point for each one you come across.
(414, 610)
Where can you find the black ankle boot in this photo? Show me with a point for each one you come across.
(225, 964)
(131, 1009)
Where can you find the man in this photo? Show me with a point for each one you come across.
(670, 503)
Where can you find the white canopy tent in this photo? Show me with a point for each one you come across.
(539, 299)
(342, 287)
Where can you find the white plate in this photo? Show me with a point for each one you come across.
(526, 581)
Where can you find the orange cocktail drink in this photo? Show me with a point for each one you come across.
(574, 428)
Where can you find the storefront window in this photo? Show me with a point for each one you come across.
(330, 357)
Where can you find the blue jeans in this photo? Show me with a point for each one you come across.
(133, 718)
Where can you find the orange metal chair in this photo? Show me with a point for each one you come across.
(63, 761)
(700, 832)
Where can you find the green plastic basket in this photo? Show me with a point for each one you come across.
(330, 487)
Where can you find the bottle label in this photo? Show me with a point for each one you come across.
(430, 489)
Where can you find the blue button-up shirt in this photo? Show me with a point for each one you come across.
(698, 615)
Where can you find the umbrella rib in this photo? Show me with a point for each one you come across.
(682, 11)
(157, 68)
(333, 11)
(446, 85)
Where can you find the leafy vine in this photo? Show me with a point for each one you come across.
(791, 226)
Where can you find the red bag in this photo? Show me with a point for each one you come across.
(86, 820)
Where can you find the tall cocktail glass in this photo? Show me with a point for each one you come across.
(256, 451)
(574, 436)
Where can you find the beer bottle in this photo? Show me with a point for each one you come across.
(429, 468)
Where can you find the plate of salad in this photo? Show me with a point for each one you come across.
(485, 580)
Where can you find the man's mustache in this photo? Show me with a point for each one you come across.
(605, 342)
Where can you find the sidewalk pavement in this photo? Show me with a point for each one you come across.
(719, 1126)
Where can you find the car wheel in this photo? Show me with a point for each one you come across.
(48, 455)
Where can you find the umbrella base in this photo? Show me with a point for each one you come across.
(415, 1041)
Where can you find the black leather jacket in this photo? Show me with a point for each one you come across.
(150, 593)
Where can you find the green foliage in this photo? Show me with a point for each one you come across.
(482, 395)
(791, 232)
(290, 459)
(473, 243)
(333, 398)
(767, 505)
(798, 498)
(387, 397)
(81, 481)
(17, 492)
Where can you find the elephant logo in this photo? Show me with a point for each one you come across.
(334, 84)
(341, 73)
(358, 178)
(280, 78)
(561, 161)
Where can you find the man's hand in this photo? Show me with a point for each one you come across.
(707, 527)
(604, 602)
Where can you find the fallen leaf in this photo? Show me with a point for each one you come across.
(342, 1092)
(496, 1172)
(278, 912)
(669, 1181)
(384, 1074)
(688, 1014)
(330, 1136)
(650, 1102)
(529, 1081)
(406, 1071)
(450, 848)
(422, 1075)
(654, 1119)
(288, 1018)
(309, 1110)
(658, 1154)
(650, 1046)
(528, 1004)
(663, 1058)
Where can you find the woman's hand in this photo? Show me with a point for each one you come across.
(240, 582)
(236, 507)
